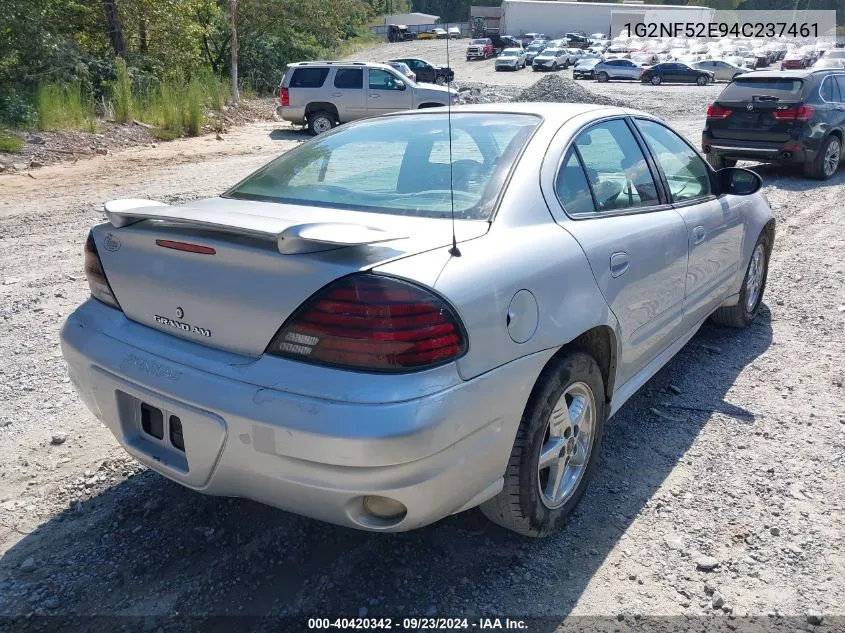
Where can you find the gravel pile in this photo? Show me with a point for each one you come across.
(551, 88)
(473, 92)
(557, 89)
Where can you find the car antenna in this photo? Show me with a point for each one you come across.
(454, 250)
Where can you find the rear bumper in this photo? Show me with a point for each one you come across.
(437, 454)
(785, 153)
(291, 114)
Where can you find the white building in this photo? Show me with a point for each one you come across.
(411, 19)
(557, 17)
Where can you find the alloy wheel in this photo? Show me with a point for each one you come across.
(754, 277)
(567, 445)
(831, 157)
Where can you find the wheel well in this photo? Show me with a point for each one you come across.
(319, 105)
(837, 134)
(600, 343)
(769, 231)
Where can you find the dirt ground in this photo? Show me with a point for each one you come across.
(729, 460)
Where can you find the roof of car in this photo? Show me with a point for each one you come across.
(557, 112)
(786, 74)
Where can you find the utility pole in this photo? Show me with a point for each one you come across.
(233, 5)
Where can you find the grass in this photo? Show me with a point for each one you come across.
(175, 106)
(122, 98)
(10, 143)
(64, 107)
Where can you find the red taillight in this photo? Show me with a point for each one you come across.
(801, 113)
(715, 111)
(96, 276)
(374, 323)
(284, 97)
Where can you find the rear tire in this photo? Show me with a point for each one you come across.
(602, 77)
(717, 162)
(572, 388)
(320, 122)
(827, 160)
(753, 287)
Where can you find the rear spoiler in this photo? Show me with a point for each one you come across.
(290, 239)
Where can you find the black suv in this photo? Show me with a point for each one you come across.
(789, 117)
(427, 72)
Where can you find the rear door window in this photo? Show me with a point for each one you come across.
(572, 188)
(840, 83)
(615, 167)
(308, 77)
(349, 78)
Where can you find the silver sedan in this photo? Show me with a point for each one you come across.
(722, 70)
(388, 325)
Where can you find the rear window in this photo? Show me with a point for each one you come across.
(752, 88)
(397, 166)
(308, 77)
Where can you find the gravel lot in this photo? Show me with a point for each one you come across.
(719, 489)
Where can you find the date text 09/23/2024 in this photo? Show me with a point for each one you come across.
(417, 624)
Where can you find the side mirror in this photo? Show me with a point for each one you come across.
(400, 85)
(738, 181)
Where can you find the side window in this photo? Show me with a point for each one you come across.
(349, 78)
(572, 188)
(840, 81)
(615, 167)
(382, 80)
(685, 172)
(308, 77)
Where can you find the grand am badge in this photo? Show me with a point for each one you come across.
(187, 327)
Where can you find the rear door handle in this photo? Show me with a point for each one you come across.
(619, 263)
(337, 94)
(698, 235)
(373, 96)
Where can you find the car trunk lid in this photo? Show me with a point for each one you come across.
(756, 109)
(227, 273)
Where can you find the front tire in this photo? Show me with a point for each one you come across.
(656, 80)
(602, 77)
(753, 287)
(320, 122)
(826, 162)
(556, 448)
(701, 81)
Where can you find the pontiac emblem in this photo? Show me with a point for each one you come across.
(111, 243)
(180, 313)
